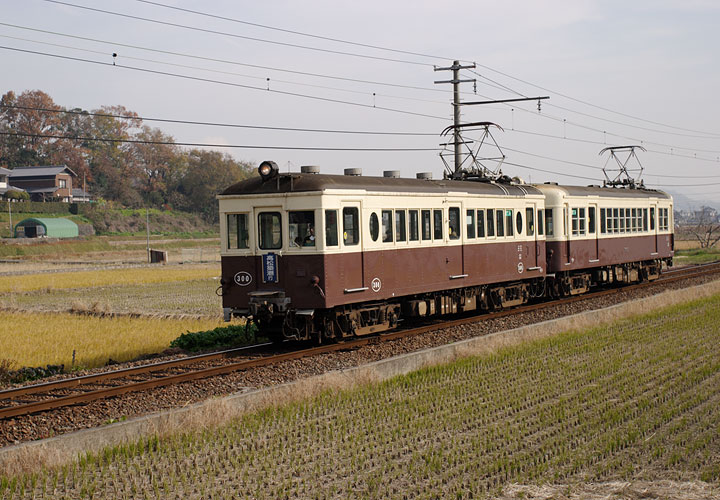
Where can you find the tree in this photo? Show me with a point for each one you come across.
(706, 228)
(22, 115)
(207, 174)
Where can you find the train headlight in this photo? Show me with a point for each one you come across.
(268, 170)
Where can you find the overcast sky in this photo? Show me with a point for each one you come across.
(617, 73)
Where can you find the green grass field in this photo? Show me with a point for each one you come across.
(636, 400)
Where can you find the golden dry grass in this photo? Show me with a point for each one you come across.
(89, 279)
(40, 339)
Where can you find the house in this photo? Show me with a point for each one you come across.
(44, 183)
(4, 174)
(79, 194)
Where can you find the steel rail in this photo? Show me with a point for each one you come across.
(18, 410)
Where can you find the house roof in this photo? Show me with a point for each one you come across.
(5, 171)
(79, 192)
(32, 190)
(40, 171)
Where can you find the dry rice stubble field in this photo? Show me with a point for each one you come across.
(633, 401)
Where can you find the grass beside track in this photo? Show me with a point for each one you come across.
(635, 400)
(42, 338)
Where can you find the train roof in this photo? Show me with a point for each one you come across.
(605, 192)
(298, 182)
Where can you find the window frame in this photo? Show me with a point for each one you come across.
(260, 229)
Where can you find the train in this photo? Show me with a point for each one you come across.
(318, 257)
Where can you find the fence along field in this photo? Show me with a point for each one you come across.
(635, 400)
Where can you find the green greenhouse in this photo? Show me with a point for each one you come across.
(49, 227)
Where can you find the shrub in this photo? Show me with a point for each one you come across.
(226, 336)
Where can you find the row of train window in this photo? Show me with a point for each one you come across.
(427, 224)
(394, 225)
(633, 220)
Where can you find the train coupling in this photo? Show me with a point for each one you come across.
(268, 303)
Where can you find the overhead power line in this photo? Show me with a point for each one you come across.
(419, 54)
(220, 82)
(206, 145)
(234, 35)
(213, 124)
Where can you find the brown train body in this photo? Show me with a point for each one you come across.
(311, 256)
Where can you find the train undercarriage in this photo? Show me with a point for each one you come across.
(277, 320)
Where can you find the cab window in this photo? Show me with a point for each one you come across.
(238, 234)
(301, 228)
(270, 231)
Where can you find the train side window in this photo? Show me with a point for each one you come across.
(301, 228)
(437, 224)
(374, 226)
(387, 229)
(509, 222)
(351, 226)
(591, 220)
(622, 220)
(331, 228)
(652, 218)
(603, 221)
(413, 225)
(574, 221)
(470, 223)
(639, 219)
(426, 225)
(549, 223)
(540, 223)
(270, 229)
(454, 223)
(490, 222)
(499, 222)
(565, 222)
(481, 223)
(400, 231)
(529, 220)
(633, 216)
(238, 231)
(628, 222)
(644, 222)
(616, 223)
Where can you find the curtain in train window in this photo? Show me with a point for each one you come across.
(400, 234)
(413, 224)
(437, 224)
(426, 225)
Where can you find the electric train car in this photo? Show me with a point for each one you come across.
(312, 256)
(606, 235)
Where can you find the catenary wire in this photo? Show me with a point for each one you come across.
(220, 82)
(199, 144)
(234, 35)
(426, 55)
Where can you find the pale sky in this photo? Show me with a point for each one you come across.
(653, 61)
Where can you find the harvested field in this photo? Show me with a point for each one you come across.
(43, 338)
(97, 278)
(192, 297)
(635, 402)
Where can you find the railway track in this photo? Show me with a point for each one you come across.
(78, 390)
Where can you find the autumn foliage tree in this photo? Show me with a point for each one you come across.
(117, 157)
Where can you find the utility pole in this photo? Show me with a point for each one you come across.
(456, 81)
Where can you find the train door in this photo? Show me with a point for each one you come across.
(654, 227)
(531, 230)
(269, 245)
(593, 233)
(454, 251)
(566, 232)
(351, 271)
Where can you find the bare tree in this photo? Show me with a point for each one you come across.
(705, 228)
